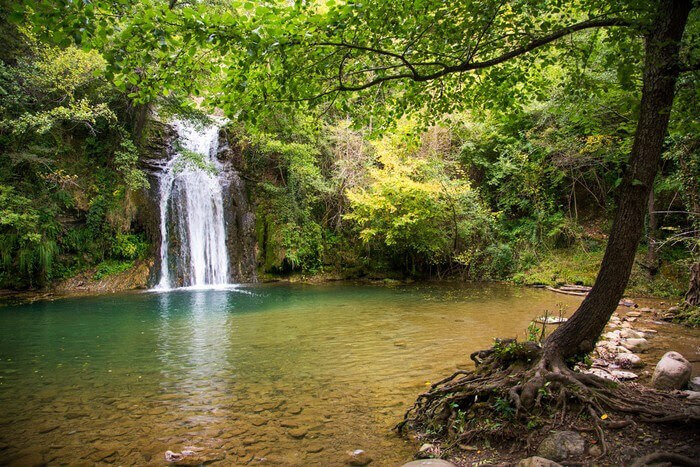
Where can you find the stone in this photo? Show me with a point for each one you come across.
(672, 372)
(692, 396)
(46, 428)
(635, 343)
(631, 334)
(298, 433)
(694, 384)
(259, 421)
(600, 373)
(644, 310)
(673, 309)
(428, 450)
(595, 451)
(536, 461)
(628, 360)
(633, 314)
(28, 460)
(624, 375)
(562, 445)
(358, 457)
(429, 463)
(612, 335)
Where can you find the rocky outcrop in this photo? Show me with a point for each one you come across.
(156, 149)
(238, 214)
(672, 372)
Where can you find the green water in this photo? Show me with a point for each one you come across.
(294, 375)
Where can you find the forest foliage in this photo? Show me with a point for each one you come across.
(480, 175)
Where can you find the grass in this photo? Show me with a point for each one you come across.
(578, 266)
(111, 267)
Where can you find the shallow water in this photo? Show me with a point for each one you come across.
(298, 375)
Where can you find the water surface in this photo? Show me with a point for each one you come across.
(297, 375)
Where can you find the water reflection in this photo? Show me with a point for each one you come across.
(297, 375)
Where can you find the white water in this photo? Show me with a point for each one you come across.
(191, 197)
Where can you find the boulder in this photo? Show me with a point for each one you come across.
(694, 384)
(562, 445)
(358, 457)
(536, 461)
(429, 463)
(672, 372)
(628, 360)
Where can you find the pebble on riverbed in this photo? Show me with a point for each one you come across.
(358, 457)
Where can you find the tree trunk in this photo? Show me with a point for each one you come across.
(692, 296)
(652, 262)
(662, 43)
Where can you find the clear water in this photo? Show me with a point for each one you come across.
(191, 208)
(123, 378)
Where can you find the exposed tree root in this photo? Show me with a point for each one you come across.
(658, 457)
(516, 387)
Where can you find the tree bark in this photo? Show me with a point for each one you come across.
(652, 261)
(662, 43)
(692, 296)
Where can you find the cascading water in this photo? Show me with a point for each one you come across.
(193, 234)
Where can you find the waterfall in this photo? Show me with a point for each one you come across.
(193, 249)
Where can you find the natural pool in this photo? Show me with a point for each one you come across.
(297, 375)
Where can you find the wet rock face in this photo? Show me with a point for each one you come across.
(156, 149)
(672, 372)
(238, 215)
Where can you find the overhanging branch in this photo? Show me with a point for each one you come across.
(412, 73)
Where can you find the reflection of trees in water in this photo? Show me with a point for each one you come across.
(194, 343)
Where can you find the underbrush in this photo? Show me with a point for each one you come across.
(111, 267)
(577, 265)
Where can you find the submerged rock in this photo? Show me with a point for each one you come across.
(672, 372)
(358, 457)
(562, 445)
(298, 433)
(536, 461)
